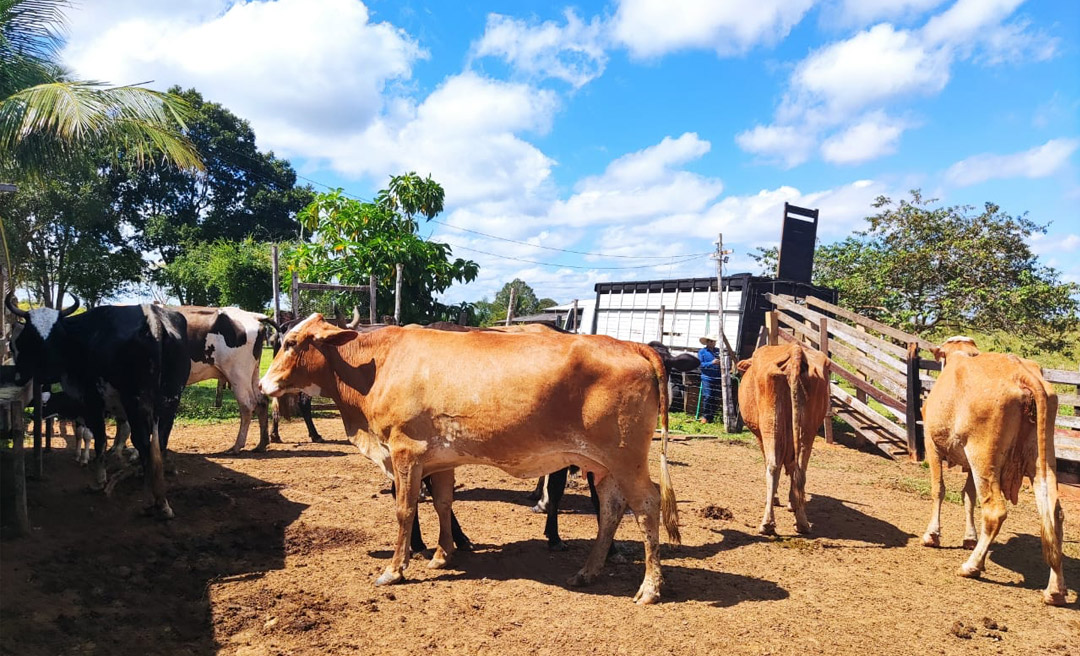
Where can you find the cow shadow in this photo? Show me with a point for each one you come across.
(837, 519)
(97, 576)
(272, 453)
(531, 560)
(1022, 554)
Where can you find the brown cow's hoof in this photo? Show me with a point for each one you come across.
(389, 577)
(261, 447)
(803, 529)
(969, 544)
(969, 572)
(1053, 598)
(931, 540)
(767, 529)
(439, 559)
(580, 579)
(647, 594)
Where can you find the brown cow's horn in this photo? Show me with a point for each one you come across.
(71, 308)
(13, 306)
(355, 318)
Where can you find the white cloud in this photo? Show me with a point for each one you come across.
(786, 144)
(1038, 162)
(573, 53)
(839, 84)
(250, 57)
(652, 28)
(875, 134)
(873, 66)
(864, 12)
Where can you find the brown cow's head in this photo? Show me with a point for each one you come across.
(301, 365)
(958, 345)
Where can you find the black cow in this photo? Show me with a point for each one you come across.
(129, 360)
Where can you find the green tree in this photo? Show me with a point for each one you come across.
(242, 192)
(65, 236)
(350, 240)
(47, 118)
(545, 303)
(525, 302)
(221, 273)
(927, 268)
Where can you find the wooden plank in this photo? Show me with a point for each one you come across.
(771, 327)
(799, 328)
(840, 329)
(1068, 399)
(1068, 422)
(884, 329)
(823, 346)
(1067, 446)
(869, 389)
(329, 287)
(867, 429)
(878, 374)
(899, 433)
(1061, 376)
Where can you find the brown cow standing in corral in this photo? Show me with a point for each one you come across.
(993, 414)
(585, 400)
(783, 398)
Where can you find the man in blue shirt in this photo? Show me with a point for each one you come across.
(710, 377)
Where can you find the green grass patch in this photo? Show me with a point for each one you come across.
(680, 422)
(921, 487)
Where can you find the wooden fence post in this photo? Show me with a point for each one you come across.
(275, 277)
(772, 327)
(373, 316)
(398, 269)
(916, 446)
(510, 306)
(294, 293)
(37, 468)
(823, 343)
(14, 422)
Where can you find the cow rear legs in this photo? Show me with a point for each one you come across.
(407, 475)
(612, 505)
(442, 497)
(932, 536)
(994, 512)
(772, 480)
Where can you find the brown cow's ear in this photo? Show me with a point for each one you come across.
(337, 338)
(743, 366)
(939, 354)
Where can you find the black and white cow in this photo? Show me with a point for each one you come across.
(129, 360)
(227, 343)
(63, 407)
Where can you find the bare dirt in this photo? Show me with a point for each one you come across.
(276, 553)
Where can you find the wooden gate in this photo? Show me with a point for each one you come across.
(890, 373)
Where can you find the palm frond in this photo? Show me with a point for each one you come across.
(56, 119)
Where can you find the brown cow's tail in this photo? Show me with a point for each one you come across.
(669, 510)
(797, 373)
(1050, 513)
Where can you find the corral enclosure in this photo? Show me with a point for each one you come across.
(276, 553)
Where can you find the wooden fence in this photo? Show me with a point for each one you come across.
(892, 368)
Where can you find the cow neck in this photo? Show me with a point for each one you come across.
(353, 365)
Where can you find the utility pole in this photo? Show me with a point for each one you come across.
(731, 422)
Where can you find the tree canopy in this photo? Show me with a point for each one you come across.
(222, 273)
(351, 240)
(242, 193)
(927, 268)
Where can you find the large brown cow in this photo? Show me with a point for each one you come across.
(993, 414)
(533, 404)
(783, 398)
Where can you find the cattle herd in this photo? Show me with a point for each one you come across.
(532, 401)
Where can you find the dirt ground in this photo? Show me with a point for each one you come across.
(276, 553)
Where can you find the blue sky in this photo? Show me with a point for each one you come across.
(634, 128)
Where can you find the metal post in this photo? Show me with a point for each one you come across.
(372, 284)
(276, 281)
(295, 293)
(660, 327)
(510, 305)
(397, 293)
(573, 315)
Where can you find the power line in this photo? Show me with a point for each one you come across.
(572, 266)
(566, 250)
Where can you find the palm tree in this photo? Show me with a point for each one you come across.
(47, 118)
